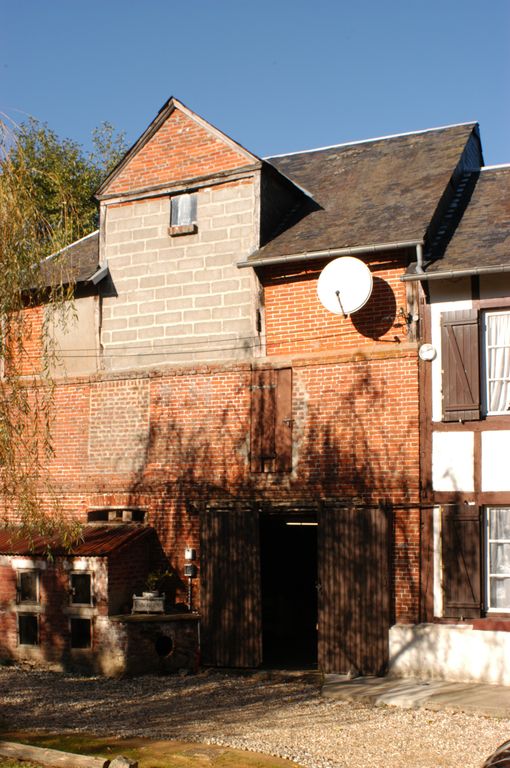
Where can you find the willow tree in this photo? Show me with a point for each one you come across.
(46, 203)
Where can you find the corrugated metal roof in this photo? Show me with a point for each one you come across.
(96, 541)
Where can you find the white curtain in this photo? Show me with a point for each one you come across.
(498, 362)
(499, 557)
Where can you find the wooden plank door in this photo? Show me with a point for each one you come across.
(231, 626)
(354, 590)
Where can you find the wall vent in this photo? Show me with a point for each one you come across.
(104, 515)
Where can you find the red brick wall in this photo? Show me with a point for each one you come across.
(167, 441)
(355, 434)
(8, 630)
(128, 569)
(297, 322)
(27, 359)
(180, 149)
(406, 565)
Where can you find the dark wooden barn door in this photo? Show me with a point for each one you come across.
(230, 577)
(354, 587)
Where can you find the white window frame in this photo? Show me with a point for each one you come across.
(487, 560)
(485, 314)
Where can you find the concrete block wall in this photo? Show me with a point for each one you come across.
(181, 298)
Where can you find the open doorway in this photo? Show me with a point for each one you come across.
(288, 561)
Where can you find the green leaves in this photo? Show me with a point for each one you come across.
(62, 178)
(47, 187)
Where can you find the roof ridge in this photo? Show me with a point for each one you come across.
(368, 141)
(496, 167)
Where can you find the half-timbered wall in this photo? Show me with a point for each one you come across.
(465, 465)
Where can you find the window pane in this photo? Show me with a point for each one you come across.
(500, 593)
(80, 633)
(28, 629)
(28, 586)
(183, 210)
(499, 523)
(498, 362)
(499, 558)
(81, 588)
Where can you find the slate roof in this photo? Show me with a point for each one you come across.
(74, 264)
(481, 241)
(372, 192)
(97, 541)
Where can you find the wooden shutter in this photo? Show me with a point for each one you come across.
(460, 365)
(354, 595)
(230, 580)
(461, 546)
(271, 420)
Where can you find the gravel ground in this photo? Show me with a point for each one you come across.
(281, 715)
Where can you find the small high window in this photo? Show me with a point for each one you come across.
(81, 589)
(183, 214)
(28, 629)
(81, 633)
(27, 587)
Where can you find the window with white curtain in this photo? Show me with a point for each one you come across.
(496, 328)
(498, 558)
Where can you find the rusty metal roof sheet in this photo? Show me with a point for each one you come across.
(96, 541)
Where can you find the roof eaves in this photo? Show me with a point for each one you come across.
(166, 110)
(453, 273)
(330, 253)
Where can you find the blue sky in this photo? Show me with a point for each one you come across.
(276, 75)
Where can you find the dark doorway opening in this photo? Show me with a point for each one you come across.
(288, 560)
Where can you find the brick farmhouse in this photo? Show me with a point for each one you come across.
(335, 485)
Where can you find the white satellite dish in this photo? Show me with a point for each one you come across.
(344, 285)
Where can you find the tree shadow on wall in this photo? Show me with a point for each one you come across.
(351, 445)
